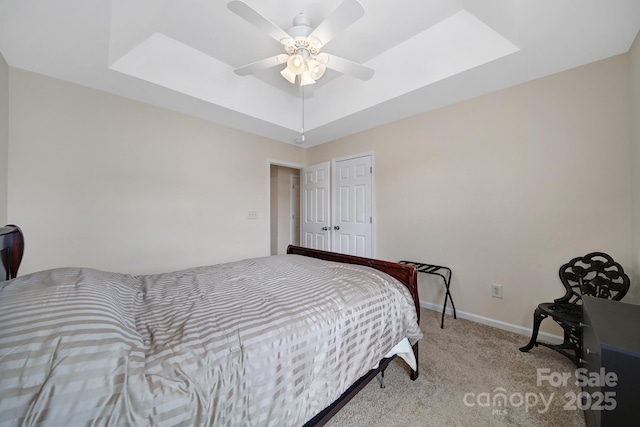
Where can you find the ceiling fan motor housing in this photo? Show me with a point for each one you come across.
(301, 26)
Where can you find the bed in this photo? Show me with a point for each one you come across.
(283, 340)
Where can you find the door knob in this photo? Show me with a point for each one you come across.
(337, 227)
(325, 228)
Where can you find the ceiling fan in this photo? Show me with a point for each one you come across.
(302, 44)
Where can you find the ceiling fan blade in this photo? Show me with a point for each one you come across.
(255, 18)
(341, 18)
(349, 67)
(263, 64)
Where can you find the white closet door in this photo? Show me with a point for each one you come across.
(352, 206)
(315, 207)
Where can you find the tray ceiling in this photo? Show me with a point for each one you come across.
(426, 54)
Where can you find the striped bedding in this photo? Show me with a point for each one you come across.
(261, 342)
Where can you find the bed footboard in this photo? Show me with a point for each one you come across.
(407, 275)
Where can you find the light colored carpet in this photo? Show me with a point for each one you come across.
(463, 367)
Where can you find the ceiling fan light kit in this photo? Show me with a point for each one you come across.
(304, 64)
(304, 56)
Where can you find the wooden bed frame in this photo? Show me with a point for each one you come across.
(404, 273)
(11, 249)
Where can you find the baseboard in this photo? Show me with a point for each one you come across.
(542, 336)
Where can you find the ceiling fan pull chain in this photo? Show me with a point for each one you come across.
(302, 87)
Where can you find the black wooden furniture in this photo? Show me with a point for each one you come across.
(611, 359)
(11, 250)
(595, 274)
(437, 270)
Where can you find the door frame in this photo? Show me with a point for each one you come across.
(274, 162)
(333, 161)
(373, 191)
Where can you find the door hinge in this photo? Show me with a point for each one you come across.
(370, 220)
(370, 169)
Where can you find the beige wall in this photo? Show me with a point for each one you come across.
(4, 138)
(503, 188)
(634, 54)
(506, 187)
(101, 181)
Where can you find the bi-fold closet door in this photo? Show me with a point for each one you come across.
(337, 206)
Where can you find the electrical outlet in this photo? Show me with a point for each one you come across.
(496, 291)
(252, 215)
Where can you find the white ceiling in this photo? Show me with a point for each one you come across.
(180, 54)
